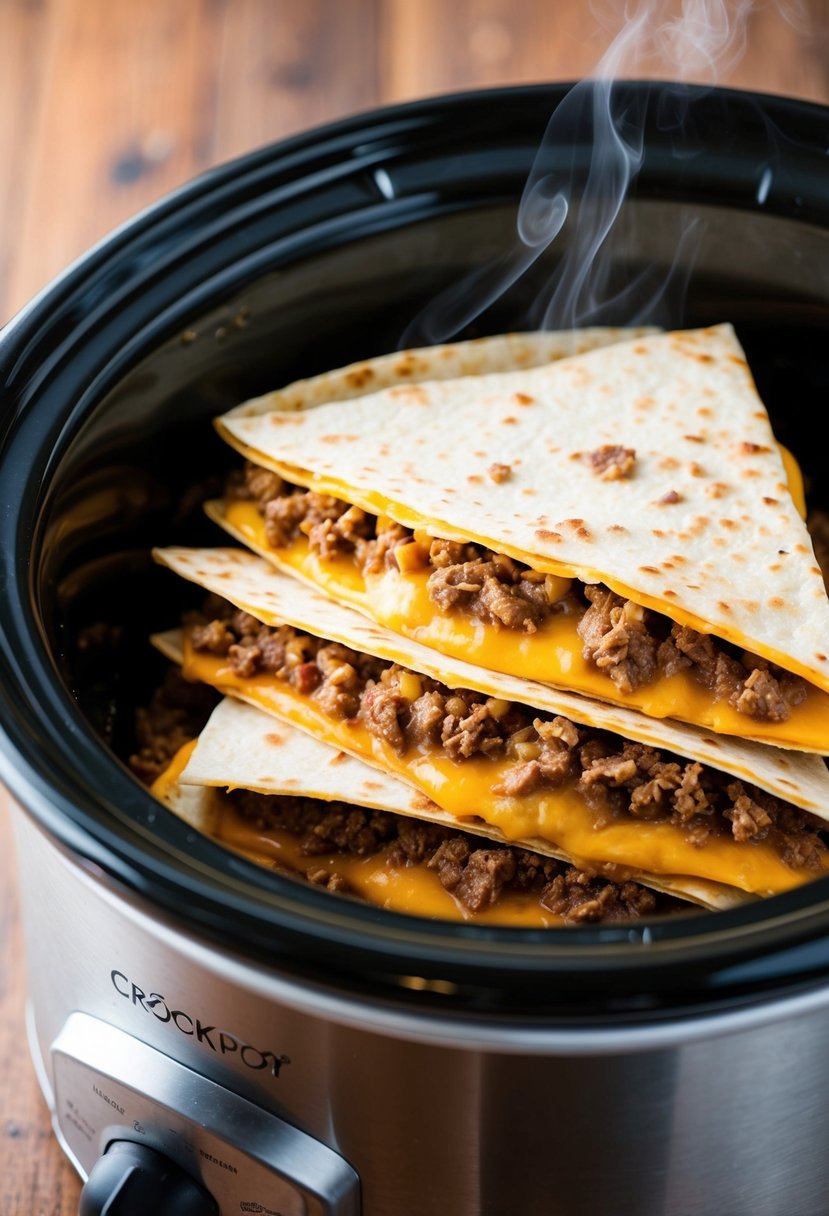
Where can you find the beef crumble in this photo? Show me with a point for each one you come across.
(175, 714)
(477, 873)
(411, 712)
(633, 646)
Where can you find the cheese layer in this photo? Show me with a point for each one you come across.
(412, 889)
(552, 655)
(465, 789)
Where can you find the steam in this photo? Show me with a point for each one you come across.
(697, 40)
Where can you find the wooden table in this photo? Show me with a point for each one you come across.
(105, 105)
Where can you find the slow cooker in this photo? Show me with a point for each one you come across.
(215, 1038)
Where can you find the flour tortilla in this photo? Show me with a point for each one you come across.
(252, 584)
(243, 748)
(705, 530)
(479, 357)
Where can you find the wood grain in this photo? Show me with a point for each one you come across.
(105, 106)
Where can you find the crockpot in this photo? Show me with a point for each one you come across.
(214, 1037)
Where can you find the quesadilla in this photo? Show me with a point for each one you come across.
(288, 801)
(620, 523)
(603, 784)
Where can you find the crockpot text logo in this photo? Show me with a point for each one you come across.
(218, 1041)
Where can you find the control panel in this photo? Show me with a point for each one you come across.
(137, 1123)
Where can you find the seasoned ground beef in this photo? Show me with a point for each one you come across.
(176, 713)
(634, 645)
(631, 645)
(476, 872)
(411, 712)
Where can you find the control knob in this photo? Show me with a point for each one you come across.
(134, 1180)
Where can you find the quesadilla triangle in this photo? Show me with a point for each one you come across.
(283, 797)
(620, 523)
(601, 783)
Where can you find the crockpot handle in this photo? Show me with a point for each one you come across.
(134, 1180)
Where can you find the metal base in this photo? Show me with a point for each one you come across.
(683, 1120)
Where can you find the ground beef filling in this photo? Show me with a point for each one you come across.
(631, 645)
(176, 713)
(411, 712)
(476, 873)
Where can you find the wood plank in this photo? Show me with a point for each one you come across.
(27, 46)
(286, 68)
(428, 48)
(140, 98)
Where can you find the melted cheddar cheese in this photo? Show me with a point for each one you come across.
(553, 654)
(413, 888)
(467, 790)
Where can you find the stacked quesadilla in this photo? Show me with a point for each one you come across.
(567, 598)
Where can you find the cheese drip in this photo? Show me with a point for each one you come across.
(553, 654)
(560, 817)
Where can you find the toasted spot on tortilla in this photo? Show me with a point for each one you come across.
(523, 399)
(695, 469)
(584, 533)
(694, 438)
(411, 393)
(771, 502)
(616, 528)
(337, 758)
(509, 420)
(475, 479)
(745, 448)
(671, 497)
(820, 657)
(649, 569)
(360, 376)
(728, 523)
(669, 594)
(546, 534)
(338, 438)
(281, 419)
(723, 606)
(273, 737)
(421, 802)
(705, 411)
(371, 785)
(776, 601)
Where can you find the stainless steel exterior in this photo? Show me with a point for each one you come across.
(727, 1115)
(110, 1086)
